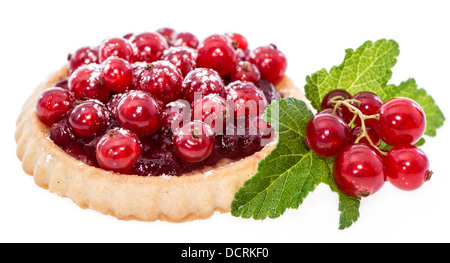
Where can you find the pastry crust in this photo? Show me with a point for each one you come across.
(130, 197)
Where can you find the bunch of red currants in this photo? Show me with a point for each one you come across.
(351, 128)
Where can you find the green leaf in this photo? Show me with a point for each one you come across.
(290, 172)
(368, 68)
(285, 176)
(348, 206)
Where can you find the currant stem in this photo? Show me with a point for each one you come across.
(338, 101)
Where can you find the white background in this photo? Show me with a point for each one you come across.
(36, 36)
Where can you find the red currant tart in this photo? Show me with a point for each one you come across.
(116, 129)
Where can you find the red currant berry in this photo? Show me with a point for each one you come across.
(194, 142)
(88, 118)
(183, 58)
(332, 94)
(175, 115)
(83, 56)
(217, 54)
(115, 47)
(249, 100)
(113, 103)
(163, 80)
(185, 39)
(246, 71)
(128, 36)
(52, 104)
(370, 103)
(402, 121)
(138, 68)
(85, 83)
(240, 40)
(269, 90)
(372, 135)
(407, 167)
(358, 171)
(167, 33)
(61, 134)
(327, 135)
(211, 110)
(149, 46)
(117, 150)
(270, 61)
(203, 82)
(331, 111)
(139, 112)
(116, 74)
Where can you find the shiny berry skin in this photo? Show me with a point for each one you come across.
(52, 104)
(61, 134)
(370, 104)
(194, 142)
(240, 40)
(183, 58)
(116, 47)
(269, 90)
(139, 112)
(358, 171)
(138, 68)
(217, 54)
(356, 131)
(116, 74)
(202, 81)
(85, 83)
(331, 111)
(218, 37)
(185, 39)
(175, 114)
(407, 167)
(327, 135)
(83, 56)
(334, 93)
(402, 121)
(117, 150)
(249, 100)
(163, 80)
(149, 47)
(211, 110)
(167, 32)
(246, 71)
(270, 61)
(88, 118)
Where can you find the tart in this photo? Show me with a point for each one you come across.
(181, 185)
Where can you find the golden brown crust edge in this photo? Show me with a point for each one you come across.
(131, 197)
